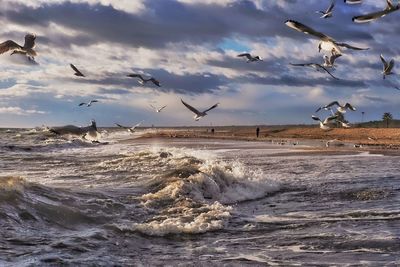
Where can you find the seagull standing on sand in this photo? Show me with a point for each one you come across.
(390, 7)
(130, 129)
(143, 81)
(89, 104)
(27, 49)
(77, 72)
(198, 114)
(158, 110)
(387, 67)
(250, 58)
(326, 43)
(324, 125)
(329, 12)
(316, 66)
(340, 108)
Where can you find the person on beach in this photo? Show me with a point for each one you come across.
(258, 131)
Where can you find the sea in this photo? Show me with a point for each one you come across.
(131, 201)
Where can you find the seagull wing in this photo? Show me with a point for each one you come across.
(301, 64)
(332, 104)
(9, 45)
(134, 75)
(305, 29)
(349, 106)
(162, 107)
(29, 41)
(195, 111)
(155, 82)
(330, 8)
(76, 70)
(391, 65)
(93, 101)
(216, 105)
(81, 104)
(315, 118)
(318, 109)
(121, 126)
(327, 71)
(245, 55)
(330, 118)
(373, 16)
(350, 46)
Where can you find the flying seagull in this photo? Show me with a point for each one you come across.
(198, 114)
(324, 125)
(143, 81)
(387, 67)
(340, 108)
(77, 72)
(329, 61)
(353, 2)
(250, 58)
(328, 13)
(158, 110)
(390, 7)
(130, 129)
(88, 104)
(27, 49)
(316, 66)
(326, 43)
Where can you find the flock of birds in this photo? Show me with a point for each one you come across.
(326, 43)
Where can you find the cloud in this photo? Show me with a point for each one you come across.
(20, 111)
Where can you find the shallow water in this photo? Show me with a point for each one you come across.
(179, 202)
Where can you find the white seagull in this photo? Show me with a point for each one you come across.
(143, 81)
(250, 58)
(158, 110)
(329, 61)
(90, 103)
(387, 67)
(326, 43)
(340, 108)
(316, 66)
(198, 114)
(324, 125)
(130, 129)
(329, 12)
(390, 7)
(27, 49)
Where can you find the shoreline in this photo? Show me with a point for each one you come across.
(363, 138)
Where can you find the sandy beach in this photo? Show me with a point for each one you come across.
(380, 138)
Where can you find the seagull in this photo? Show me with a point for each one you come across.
(77, 72)
(88, 104)
(158, 110)
(198, 114)
(250, 58)
(324, 124)
(130, 129)
(27, 49)
(329, 61)
(353, 2)
(390, 7)
(328, 13)
(143, 81)
(387, 67)
(316, 66)
(340, 108)
(326, 43)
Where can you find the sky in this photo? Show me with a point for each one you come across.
(191, 47)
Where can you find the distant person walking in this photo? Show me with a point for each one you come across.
(258, 131)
